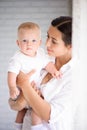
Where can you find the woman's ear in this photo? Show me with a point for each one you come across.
(70, 46)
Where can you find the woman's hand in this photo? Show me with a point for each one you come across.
(34, 86)
(22, 78)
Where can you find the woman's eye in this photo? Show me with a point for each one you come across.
(54, 42)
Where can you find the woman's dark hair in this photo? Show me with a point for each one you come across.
(64, 24)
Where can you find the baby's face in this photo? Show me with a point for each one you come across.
(28, 41)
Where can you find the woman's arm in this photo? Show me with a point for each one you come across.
(39, 105)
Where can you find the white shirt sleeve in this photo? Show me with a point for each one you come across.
(14, 65)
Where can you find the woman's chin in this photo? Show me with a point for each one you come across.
(49, 53)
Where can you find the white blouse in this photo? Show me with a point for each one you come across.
(58, 92)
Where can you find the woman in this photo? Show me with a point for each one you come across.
(55, 109)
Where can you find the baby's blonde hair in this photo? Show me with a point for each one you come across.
(29, 25)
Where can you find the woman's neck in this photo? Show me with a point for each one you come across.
(59, 62)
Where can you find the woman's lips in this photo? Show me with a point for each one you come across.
(49, 50)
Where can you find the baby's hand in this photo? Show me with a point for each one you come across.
(57, 74)
(14, 93)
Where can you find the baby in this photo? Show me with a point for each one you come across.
(29, 56)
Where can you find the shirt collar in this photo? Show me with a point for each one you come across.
(69, 65)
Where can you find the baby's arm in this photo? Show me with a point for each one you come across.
(13, 90)
(51, 68)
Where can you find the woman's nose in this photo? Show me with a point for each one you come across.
(48, 42)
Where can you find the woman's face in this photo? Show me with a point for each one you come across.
(55, 45)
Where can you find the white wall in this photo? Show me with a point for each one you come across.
(12, 13)
(80, 72)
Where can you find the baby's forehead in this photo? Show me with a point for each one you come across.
(29, 34)
(29, 31)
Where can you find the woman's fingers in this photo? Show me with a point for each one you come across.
(22, 77)
(34, 86)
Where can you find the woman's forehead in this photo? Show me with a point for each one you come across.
(54, 32)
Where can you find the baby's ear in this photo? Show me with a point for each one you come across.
(17, 42)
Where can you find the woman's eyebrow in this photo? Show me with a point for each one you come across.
(52, 37)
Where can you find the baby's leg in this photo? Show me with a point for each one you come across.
(19, 119)
(35, 119)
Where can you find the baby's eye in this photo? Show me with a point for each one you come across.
(24, 41)
(34, 40)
